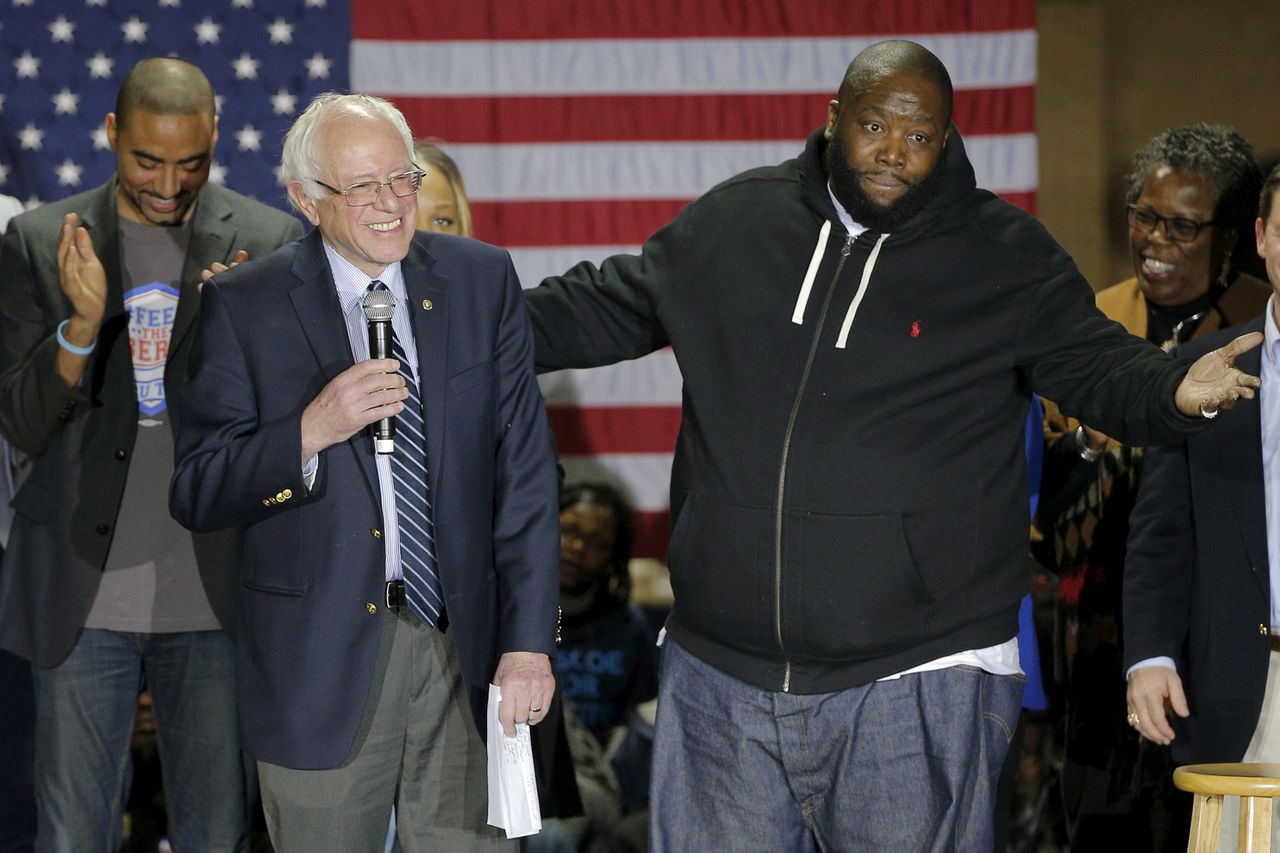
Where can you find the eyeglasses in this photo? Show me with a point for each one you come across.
(366, 193)
(1179, 229)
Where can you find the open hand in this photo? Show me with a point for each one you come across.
(1214, 383)
(83, 280)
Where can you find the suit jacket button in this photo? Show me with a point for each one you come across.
(121, 454)
(279, 497)
(103, 529)
(266, 501)
(1262, 629)
(371, 607)
(288, 493)
(426, 305)
(375, 532)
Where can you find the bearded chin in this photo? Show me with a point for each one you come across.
(846, 185)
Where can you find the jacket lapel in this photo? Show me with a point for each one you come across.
(429, 307)
(212, 237)
(315, 302)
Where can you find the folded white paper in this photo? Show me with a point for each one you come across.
(513, 790)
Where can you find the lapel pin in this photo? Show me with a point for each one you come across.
(426, 305)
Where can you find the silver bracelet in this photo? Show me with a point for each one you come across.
(1087, 453)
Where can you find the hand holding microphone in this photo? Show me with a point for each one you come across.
(369, 393)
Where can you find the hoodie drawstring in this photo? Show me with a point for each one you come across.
(862, 291)
(797, 316)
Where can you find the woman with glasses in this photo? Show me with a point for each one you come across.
(1192, 195)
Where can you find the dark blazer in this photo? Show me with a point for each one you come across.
(1196, 581)
(66, 510)
(270, 336)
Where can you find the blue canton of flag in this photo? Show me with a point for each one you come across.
(61, 63)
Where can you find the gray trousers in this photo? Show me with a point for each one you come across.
(417, 748)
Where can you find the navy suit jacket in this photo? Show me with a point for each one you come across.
(1196, 580)
(270, 336)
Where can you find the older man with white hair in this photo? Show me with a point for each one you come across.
(381, 591)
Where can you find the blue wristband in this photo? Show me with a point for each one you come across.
(70, 347)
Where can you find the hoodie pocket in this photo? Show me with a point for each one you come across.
(854, 586)
(721, 572)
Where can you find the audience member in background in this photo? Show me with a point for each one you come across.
(101, 589)
(17, 711)
(1201, 590)
(1192, 194)
(442, 197)
(608, 664)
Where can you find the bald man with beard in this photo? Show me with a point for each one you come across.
(859, 332)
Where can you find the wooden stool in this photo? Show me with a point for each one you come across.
(1254, 784)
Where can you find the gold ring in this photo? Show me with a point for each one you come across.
(1133, 719)
(535, 710)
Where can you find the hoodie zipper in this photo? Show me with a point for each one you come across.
(782, 467)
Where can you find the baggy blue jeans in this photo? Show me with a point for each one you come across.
(84, 720)
(907, 764)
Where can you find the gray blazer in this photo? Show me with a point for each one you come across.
(82, 438)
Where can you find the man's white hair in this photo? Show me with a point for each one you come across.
(298, 159)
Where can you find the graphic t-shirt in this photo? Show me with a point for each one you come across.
(607, 665)
(150, 583)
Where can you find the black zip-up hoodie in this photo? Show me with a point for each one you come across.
(849, 488)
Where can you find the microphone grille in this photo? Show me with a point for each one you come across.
(379, 305)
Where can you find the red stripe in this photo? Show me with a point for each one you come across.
(591, 19)
(667, 118)
(590, 431)
(1026, 201)
(600, 222)
(652, 533)
(609, 222)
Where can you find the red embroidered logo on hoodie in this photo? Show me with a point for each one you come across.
(915, 329)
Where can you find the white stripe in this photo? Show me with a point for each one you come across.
(413, 428)
(419, 561)
(534, 263)
(650, 381)
(665, 66)
(867, 269)
(681, 170)
(797, 316)
(644, 477)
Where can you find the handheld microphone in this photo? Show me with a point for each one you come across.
(379, 307)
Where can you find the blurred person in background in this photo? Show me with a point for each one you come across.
(1192, 194)
(608, 663)
(442, 197)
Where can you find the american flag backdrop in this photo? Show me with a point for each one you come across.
(581, 126)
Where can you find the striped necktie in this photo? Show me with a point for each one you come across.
(413, 499)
